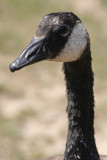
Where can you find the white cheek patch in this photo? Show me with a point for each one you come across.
(75, 45)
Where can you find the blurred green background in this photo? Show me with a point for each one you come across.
(33, 121)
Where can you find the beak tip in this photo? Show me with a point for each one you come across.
(12, 67)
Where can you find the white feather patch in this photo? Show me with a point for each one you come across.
(55, 20)
(75, 45)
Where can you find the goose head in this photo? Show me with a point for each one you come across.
(60, 37)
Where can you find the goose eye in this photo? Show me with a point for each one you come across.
(63, 30)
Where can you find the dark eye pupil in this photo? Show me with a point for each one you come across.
(63, 29)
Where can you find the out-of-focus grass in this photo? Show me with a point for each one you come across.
(3, 89)
(25, 113)
(9, 137)
(33, 119)
(104, 2)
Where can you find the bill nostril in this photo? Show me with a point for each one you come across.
(31, 54)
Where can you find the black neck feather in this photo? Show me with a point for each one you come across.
(79, 82)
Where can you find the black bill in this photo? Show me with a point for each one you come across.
(32, 54)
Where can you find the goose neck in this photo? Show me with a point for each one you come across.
(79, 83)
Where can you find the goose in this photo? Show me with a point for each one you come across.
(62, 37)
